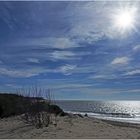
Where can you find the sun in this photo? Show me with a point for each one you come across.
(124, 19)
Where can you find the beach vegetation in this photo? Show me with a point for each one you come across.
(35, 105)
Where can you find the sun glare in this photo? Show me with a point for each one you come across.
(125, 19)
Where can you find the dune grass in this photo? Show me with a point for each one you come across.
(36, 110)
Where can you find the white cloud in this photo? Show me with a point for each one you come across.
(21, 73)
(67, 55)
(66, 69)
(97, 76)
(33, 60)
(134, 72)
(120, 60)
(111, 76)
(85, 35)
(62, 55)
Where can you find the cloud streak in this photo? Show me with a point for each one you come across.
(21, 73)
(133, 72)
(120, 61)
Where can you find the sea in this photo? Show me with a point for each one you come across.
(122, 111)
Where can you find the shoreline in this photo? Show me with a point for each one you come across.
(72, 126)
(114, 122)
(121, 123)
(107, 118)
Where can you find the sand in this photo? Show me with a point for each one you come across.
(69, 127)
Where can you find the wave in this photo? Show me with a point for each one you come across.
(120, 117)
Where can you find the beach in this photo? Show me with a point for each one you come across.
(69, 127)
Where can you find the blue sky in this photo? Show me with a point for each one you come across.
(72, 48)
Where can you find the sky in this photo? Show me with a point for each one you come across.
(76, 49)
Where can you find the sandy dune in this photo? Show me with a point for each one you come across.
(68, 127)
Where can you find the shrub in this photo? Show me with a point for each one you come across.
(55, 110)
(37, 109)
(1, 111)
(30, 102)
(10, 104)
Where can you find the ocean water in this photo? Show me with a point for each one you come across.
(123, 111)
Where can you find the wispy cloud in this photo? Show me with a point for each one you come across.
(66, 69)
(33, 60)
(97, 76)
(21, 73)
(67, 55)
(60, 43)
(104, 77)
(134, 72)
(62, 55)
(136, 48)
(120, 60)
